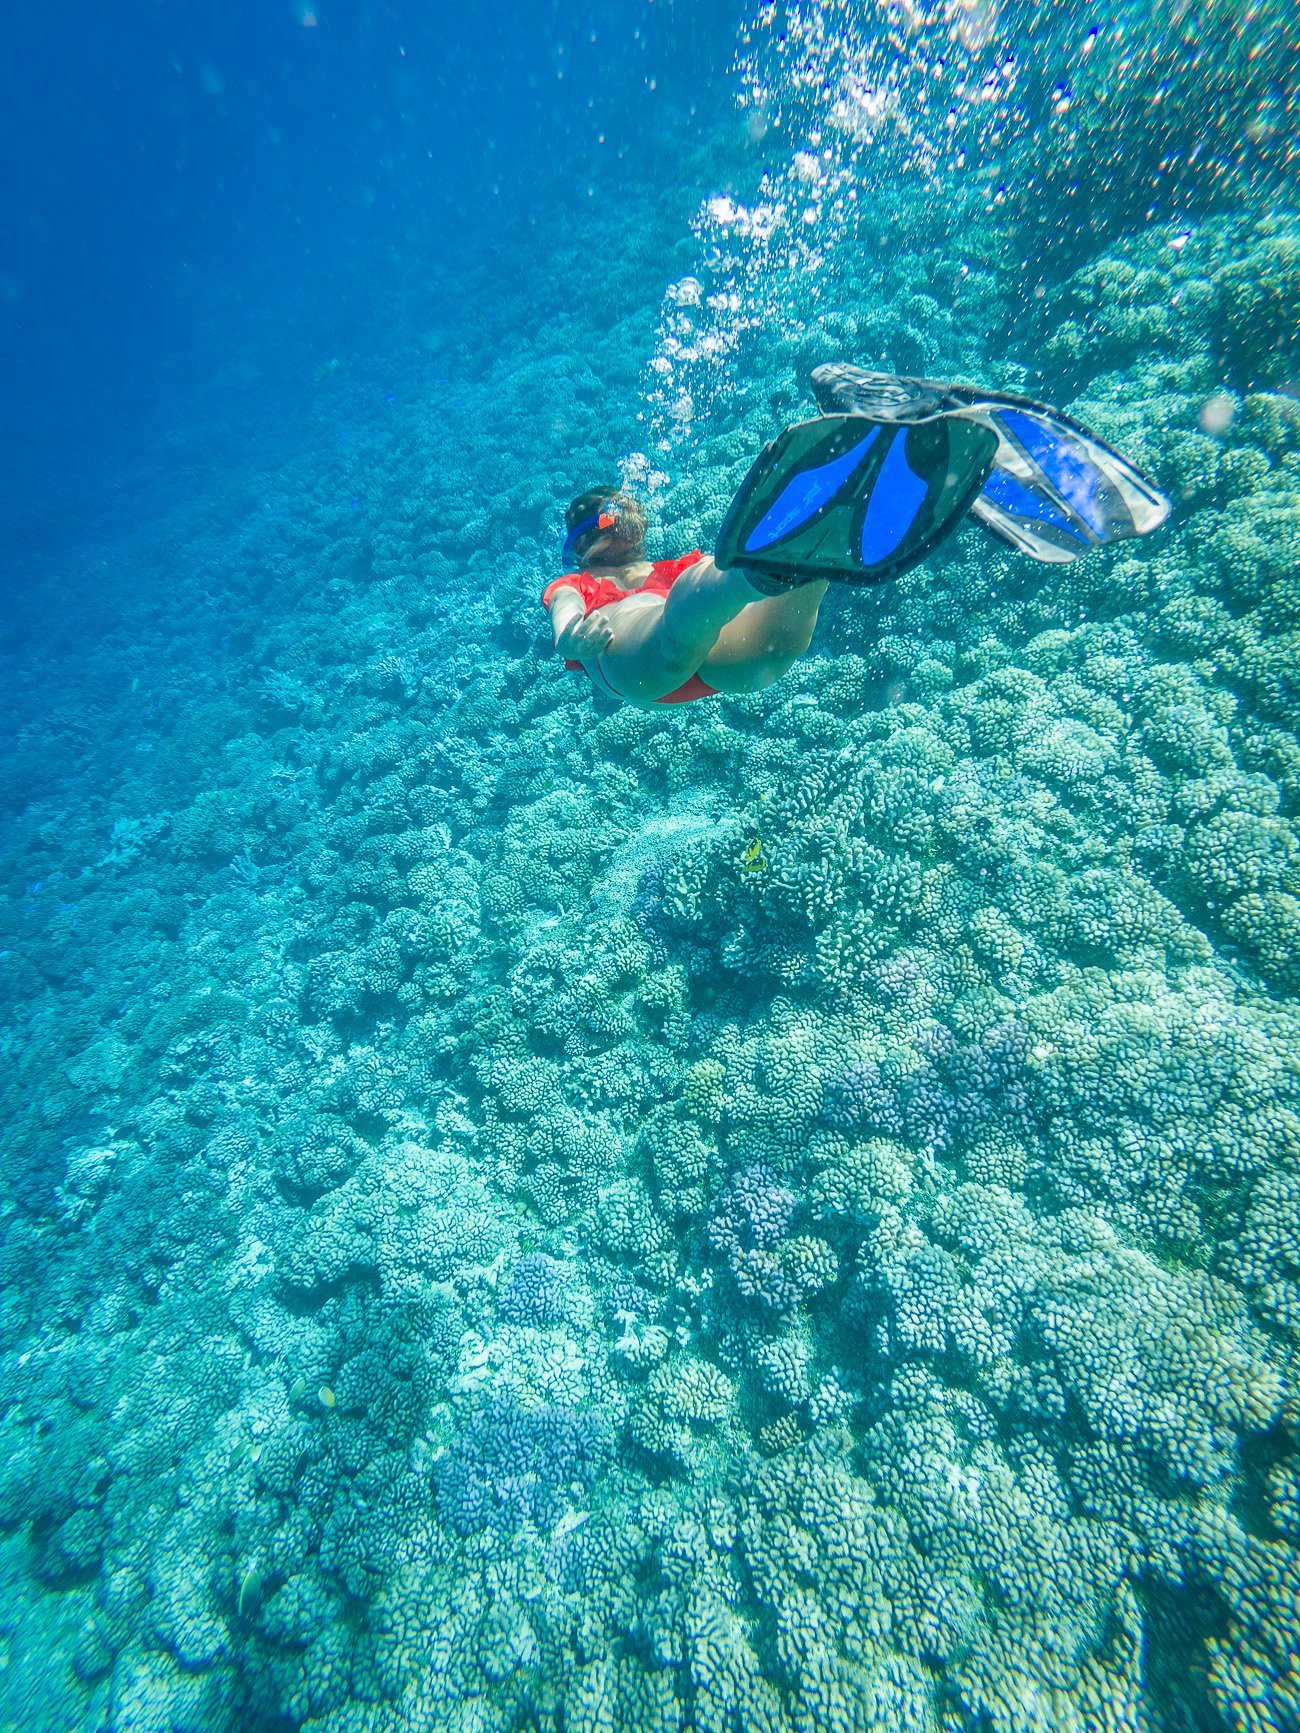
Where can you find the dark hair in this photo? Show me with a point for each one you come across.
(624, 536)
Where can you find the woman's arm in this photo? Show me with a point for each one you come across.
(578, 635)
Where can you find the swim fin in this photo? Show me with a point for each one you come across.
(1055, 490)
(831, 498)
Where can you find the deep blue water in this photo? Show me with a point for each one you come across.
(203, 203)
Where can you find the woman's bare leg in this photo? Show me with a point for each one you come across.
(764, 640)
(658, 644)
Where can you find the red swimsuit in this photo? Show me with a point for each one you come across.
(599, 592)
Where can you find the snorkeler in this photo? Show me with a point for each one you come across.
(667, 631)
(857, 495)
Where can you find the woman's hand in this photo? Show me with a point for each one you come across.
(584, 638)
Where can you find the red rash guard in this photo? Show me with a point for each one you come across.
(600, 592)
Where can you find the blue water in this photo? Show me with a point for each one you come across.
(524, 1212)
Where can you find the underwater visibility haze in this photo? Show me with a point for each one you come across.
(524, 1213)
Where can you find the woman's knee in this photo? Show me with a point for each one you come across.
(788, 642)
(760, 674)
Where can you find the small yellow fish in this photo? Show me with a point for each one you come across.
(754, 860)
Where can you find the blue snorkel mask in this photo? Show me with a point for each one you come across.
(604, 518)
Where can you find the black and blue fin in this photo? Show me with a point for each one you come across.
(857, 503)
(842, 389)
(1055, 491)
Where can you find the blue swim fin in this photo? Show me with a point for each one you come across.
(1055, 489)
(829, 499)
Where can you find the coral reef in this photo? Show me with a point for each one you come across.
(485, 1246)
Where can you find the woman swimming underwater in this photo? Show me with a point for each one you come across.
(672, 630)
(856, 495)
